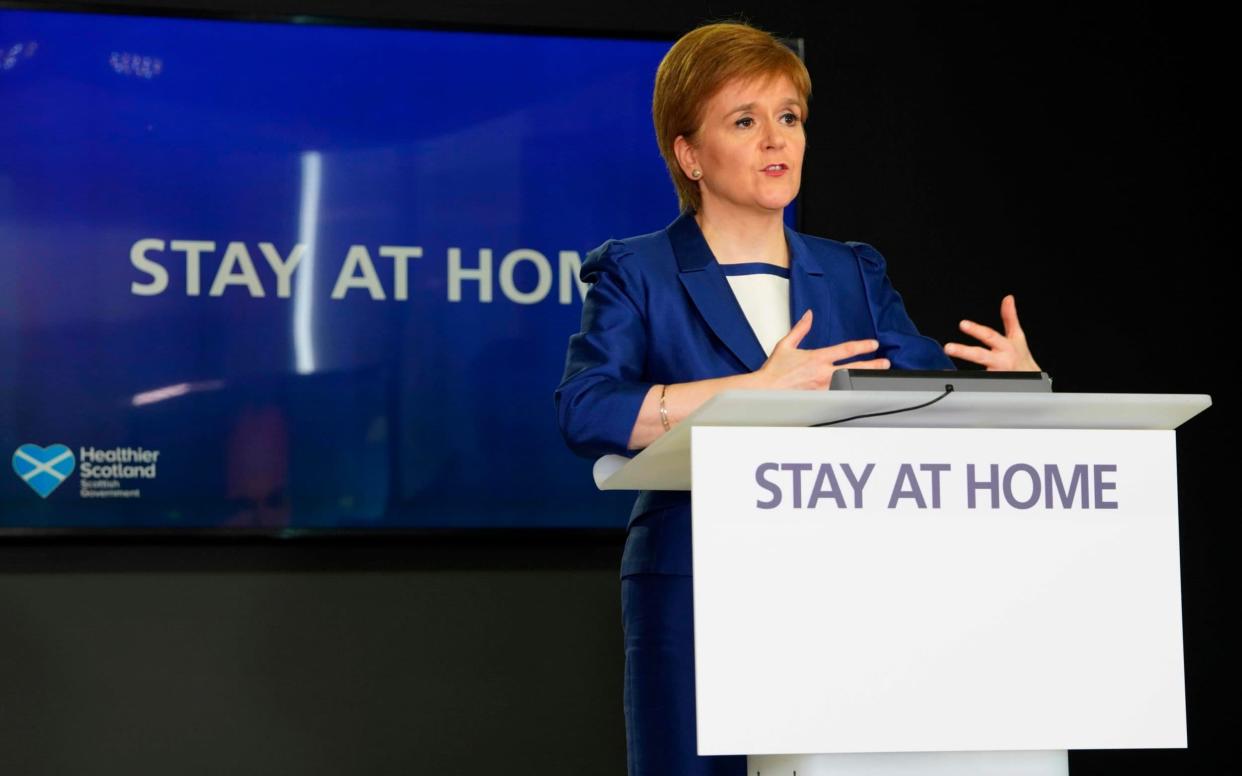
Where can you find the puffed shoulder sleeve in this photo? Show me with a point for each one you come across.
(900, 341)
(599, 397)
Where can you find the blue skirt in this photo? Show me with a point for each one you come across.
(657, 611)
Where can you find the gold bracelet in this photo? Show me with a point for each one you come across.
(663, 409)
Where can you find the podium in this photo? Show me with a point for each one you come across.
(974, 587)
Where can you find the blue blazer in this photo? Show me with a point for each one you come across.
(659, 310)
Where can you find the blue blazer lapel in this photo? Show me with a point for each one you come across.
(807, 292)
(709, 290)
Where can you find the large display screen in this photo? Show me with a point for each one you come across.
(284, 276)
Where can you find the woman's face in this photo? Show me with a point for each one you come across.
(749, 147)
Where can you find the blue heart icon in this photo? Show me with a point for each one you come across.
(43, 468)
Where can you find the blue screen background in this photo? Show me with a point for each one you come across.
(306, 411)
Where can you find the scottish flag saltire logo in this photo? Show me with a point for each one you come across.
(43, 468)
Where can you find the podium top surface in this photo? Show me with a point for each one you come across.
(665, 464)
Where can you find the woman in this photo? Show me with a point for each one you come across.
(725, 297)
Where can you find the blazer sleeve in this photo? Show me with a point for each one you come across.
(603, 388)
(900, 341)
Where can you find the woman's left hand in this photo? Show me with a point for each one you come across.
(1004, 352)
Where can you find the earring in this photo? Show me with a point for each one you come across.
(696, 174)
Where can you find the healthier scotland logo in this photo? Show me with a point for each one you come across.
(44, 469)
(105, 472)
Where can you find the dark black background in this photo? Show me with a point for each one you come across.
(1082, 157)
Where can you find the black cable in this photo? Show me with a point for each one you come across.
(948, 389)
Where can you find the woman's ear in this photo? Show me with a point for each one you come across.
(687, 158)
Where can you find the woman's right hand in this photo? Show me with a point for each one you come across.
(791, 367)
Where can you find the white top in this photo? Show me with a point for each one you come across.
(763, 292)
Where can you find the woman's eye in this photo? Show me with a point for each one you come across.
(790, 118)
(744, 122)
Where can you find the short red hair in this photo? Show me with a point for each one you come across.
(699, 65)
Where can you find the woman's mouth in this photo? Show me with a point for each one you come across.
(775, 170)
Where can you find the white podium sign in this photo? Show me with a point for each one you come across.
(890, 590)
